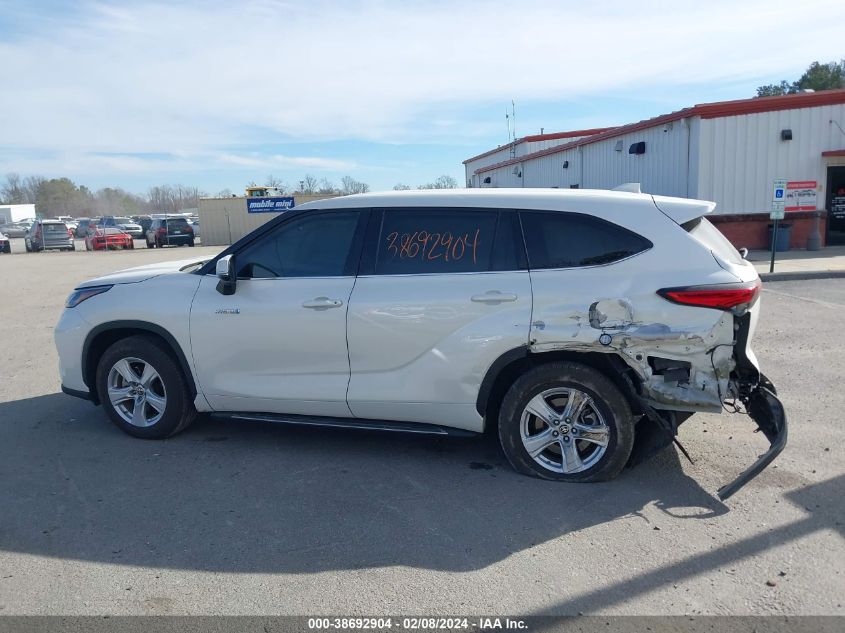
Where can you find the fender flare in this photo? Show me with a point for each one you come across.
(131, 324)
(492, 375)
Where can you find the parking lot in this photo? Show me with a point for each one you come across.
(248, 518)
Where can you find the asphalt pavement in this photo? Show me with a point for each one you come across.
(247, 518)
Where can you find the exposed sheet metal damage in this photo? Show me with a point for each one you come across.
(678, 372)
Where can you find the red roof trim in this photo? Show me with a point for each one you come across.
(555, 135)
(540, 137)
(715, 110)
(834, 152)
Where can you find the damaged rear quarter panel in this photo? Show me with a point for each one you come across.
(574, 307)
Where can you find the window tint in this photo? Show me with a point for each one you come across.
(314, 245)
(55, 228)
(417, 241)
(568, 240)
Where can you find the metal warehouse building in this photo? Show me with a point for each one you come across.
(729, 152)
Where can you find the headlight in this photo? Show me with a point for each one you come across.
(80, 295)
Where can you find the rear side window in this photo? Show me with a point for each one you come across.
(435, 241)
(570, 240)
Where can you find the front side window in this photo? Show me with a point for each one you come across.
(312, 245)
(570, 240)
(420, 241)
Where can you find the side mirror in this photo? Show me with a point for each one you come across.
(225, 270)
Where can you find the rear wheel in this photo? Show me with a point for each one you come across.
(143, 389)
(567, 422)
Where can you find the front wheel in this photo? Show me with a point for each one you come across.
(567, 422)
(143, 388)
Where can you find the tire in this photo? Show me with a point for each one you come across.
(28, 245)
(191, 243)
(169, 385)
(72, 248)
(605, 416)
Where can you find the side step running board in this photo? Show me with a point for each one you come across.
(346, 423)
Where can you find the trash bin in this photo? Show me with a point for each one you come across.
(784, 235)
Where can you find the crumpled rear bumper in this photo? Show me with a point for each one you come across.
(766, 410)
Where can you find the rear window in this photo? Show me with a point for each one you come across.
(571, 240)
(712, 238)
(178, 223)
(55, 228)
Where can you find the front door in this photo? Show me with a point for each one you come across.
(835, 205)
(278, 344)
(441, 294)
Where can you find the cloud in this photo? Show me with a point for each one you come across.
(196, 78)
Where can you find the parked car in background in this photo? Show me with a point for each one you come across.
(170, 232)
(144, 221)
(108, 238)
(69, 221)
(123, 223)
(48, 234)
(583, 326)
(81, 229)
(15, 229)
(195, 225)
(5, 244)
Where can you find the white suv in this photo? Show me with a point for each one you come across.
(584, 326)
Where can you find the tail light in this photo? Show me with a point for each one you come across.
(69, 233)
(162, 230)
(720, 297)
(189, 229)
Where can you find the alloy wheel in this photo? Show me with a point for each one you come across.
(136, 392)
(563, 430)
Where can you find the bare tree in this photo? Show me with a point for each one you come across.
(401, 186)
(278, 183)
(308, 185)
(348, 185)
(442, 182)
(12, 191)
(326, 186)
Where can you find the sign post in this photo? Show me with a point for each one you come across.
(777, 214)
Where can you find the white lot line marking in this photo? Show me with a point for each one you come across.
(826, 304)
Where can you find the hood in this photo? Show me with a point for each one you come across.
(141, 273)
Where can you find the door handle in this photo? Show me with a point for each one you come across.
(493, 296)
(322, 303)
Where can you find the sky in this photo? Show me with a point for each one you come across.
(218, 94)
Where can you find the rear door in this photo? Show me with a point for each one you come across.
(440, 295)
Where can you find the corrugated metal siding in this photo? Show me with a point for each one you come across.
(225, 220)
(661, 170)
(740, 156)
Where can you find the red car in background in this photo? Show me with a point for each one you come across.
(108, 238)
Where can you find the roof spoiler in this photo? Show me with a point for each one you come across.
(630, 187)
(682, 210)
